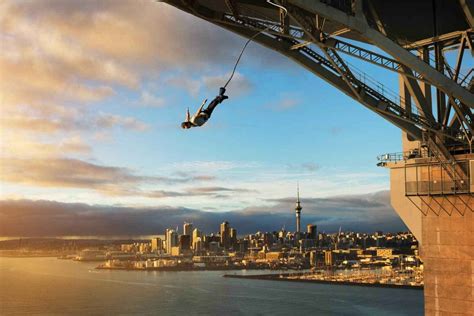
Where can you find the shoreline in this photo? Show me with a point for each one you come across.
(276, 277)
(176, 269)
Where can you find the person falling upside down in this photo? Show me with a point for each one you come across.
(202, 116)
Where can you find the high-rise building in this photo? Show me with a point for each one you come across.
(188, 229)
(185, 242)
(197, 245)
(171, 240)
(196, 233)
(312, 231)
(233, 237)
(225, 235)
(298, 209)
(156, 244)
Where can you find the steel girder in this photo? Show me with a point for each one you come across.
(359, 24)
(294, 41)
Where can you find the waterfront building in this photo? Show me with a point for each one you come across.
(313, 257)
(274, 256)
(175, 251)
(214, 247)
(328, 257)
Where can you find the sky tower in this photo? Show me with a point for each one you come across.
(298, 209)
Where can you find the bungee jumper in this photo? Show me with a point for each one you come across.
(202, 116)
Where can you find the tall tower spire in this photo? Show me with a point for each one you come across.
(298, 209)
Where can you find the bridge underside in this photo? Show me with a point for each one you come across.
(431, 186)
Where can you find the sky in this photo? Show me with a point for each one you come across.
(92, 94)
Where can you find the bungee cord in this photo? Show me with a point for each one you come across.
(251, 39)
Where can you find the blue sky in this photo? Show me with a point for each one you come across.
(92, 108)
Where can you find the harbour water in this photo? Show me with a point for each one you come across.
(45, 286)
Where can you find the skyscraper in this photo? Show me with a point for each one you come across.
(233, 237)
(225, 235)
(156, 244)
(298, 209)
(196, 234)
(171, 239)
(312, 232)
(188, 229)
(185, 242)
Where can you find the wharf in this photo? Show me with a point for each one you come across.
(286, 278)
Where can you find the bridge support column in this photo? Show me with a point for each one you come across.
(448, 256)
(443, 223)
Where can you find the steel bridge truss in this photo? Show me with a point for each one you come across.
(444, 123)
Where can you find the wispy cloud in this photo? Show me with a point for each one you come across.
(284, 102)
(150, 100)
(240, 85)
(79, 174)
(216, 190)
(184, 82)
(306, 166)
(111, 120)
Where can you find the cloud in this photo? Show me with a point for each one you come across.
(82, 122)
(216, 190)
(342, 204)
(49, 218)
(335, 130)
(184, 82)
(212, 166)
(286, 103)
(310, 166)
(74, 144)
(110, 121)
(65, 173)
(79, 174)
(306, 166)
(239, 85)
(150, 100)
(159, 194)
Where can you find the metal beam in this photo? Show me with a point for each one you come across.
(233, 7)
(376, 18)
(452, 37)
(359, 25)
(418, 96)
(467, 12)
(328, 76)
(330, 53)
(346, 48)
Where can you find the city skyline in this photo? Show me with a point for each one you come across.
(45, 218)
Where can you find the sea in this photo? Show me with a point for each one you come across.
(49, 286)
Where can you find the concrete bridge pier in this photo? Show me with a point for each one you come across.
(440, 214)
